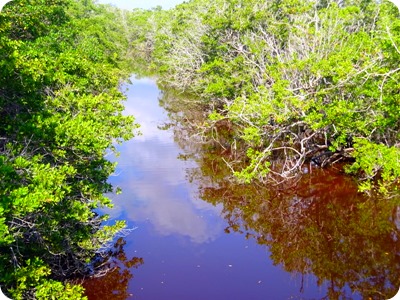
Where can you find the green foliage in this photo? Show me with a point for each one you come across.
(54, 290)
(302, 80)
(257, 167)
(34, 276)
(316, 225)
(61, 63)
(373, 159)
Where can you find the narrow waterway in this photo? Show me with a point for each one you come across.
(199, 237)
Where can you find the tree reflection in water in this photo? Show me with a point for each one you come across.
(317, 224)
(113, 285)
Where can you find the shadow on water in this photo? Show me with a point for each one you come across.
(113, 284)
(318, 224)
(204, 236)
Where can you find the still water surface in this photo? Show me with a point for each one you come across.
(199, 237)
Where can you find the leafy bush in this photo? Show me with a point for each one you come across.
(302, 81)
(60, 111)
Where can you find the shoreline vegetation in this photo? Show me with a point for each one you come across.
(317, 224)
(284, 84)
(62, 62)
(295, 82)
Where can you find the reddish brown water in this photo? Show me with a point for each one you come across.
(201, 236)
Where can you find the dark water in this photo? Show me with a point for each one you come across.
(201, 236)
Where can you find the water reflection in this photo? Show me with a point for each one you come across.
(114, 283)
(318, 224)
(154, 181)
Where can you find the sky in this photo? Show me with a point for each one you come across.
(146, 4)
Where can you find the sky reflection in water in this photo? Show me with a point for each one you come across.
(153, 180)
(186, 252)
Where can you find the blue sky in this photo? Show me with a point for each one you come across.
(146, 4)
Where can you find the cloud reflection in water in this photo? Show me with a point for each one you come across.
(153, 181)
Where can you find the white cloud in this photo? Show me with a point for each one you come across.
(154, 182)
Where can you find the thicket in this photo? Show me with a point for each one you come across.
(61, 63)
(318, 224)
(296, 82)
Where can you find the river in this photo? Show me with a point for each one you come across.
(200, 236)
